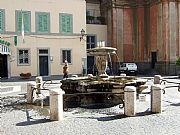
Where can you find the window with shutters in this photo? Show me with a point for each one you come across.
(66, 55)
(66, 23)
(23, 57)
(26, 16)
(42, 22)
(2, 22)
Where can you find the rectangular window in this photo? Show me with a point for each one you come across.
(66, 55)
(42, 22)
(2, 18)
(26, 16)
(43, 51)
(91, 40)
(66, 23)
(23, 57)
(89, 12)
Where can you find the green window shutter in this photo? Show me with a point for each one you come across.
(26, 17)
(19, 21)
(27, 21)
(43, 22)
(1, 20)
(68, 23)
(40, 23)
(65, 23)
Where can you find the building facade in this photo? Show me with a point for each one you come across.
(36, 36)
(144, 31)
(96, 31)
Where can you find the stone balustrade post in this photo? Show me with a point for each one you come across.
(56, 104)
(156, 98)
(130, 101)
(157, 79)
(29, 93)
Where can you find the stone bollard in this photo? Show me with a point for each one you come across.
(157, 79)
(39, 84)
(156, 98)
(130, 101)
(29, 93)
(56, 104)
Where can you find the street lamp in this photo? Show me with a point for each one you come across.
(82, 34)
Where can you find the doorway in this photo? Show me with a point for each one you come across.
(3, 66)
(153, 59)
(91, 68)
(43, 62)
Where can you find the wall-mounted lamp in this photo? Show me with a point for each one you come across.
(82, 34)
(51, 58)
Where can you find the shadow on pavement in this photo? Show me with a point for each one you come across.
(110, 118)
(27, 123)
(177, 104)
(116, 116)
(146, 113)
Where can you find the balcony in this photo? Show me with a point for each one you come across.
(95, 20)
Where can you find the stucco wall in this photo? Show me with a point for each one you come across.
(99, 30)
(52, 41)
(94, 9)
(75, 7)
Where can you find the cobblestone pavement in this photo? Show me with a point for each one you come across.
(17, 118)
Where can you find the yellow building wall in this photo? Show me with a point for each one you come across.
(53, 41)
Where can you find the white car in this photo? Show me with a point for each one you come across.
(128, 68)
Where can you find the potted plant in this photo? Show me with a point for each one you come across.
(25, 75)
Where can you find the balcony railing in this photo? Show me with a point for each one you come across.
(95, 20)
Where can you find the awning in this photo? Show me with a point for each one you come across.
(4, 49)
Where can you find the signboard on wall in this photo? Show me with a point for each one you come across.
(3, 42)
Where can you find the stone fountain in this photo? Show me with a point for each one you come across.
(102, 90)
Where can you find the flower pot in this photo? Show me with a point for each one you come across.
(25, 75)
